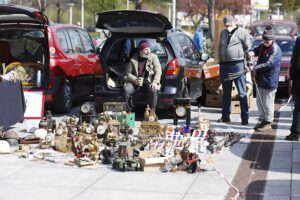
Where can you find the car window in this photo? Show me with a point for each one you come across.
(64, 41)
(278, 29)
(75, 39)
(187, 48)
(87, 42)
(193, 52)
(286, 46)
(155, 46)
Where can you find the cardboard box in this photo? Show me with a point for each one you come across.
(129, 118)
(234, 92)
(212, 84)
(214, 100)
(235, 105)
(193, 72)
(211, 71)
(151, 163)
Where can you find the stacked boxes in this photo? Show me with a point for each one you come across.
(212, 84)
(214, 96)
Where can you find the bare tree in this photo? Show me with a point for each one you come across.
(195, 9)
(42, 4)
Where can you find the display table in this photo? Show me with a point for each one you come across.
(12, 103)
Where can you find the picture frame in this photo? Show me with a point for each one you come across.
(34, 101)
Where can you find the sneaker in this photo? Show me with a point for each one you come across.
(259, 125)
(292, 137)
(267, 125)
(224, 119)
(245, 122)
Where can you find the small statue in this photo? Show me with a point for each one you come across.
(147, 113)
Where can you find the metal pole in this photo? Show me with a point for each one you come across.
(174, 13)
(71, 14)
(82, 13)
(127, 5)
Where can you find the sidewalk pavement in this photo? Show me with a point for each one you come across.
(22, 179)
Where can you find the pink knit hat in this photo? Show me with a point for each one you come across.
(143, 44)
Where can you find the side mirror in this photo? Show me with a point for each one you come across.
(204, 56)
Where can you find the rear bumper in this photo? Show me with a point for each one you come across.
(52, 93)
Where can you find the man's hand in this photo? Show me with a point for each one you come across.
(138, 82)
(251, 55)
(154, 86)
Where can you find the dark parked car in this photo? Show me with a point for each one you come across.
(63, 54)
(175, 50)
(286, 44)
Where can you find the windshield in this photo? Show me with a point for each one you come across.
(286, 46)
(155, 46)
(278, 29)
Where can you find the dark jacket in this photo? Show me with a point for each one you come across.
(295, 69)
(268, 66)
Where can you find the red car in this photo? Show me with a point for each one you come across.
(64, 55)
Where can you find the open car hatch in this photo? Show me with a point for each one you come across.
(133, 22)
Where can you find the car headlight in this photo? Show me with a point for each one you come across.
(180, 111)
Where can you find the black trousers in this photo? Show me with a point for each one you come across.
(131, 88)
(295, 128)
(12, 103)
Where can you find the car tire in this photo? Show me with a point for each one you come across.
(64, 102)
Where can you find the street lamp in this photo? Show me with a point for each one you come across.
(278, 5)
(71, 11)
(174, 13)
(82, 13)
(169, 11)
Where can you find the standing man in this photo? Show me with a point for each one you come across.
(295, 77)
(198, 40)
(267, 77)
(144, 73)
(234, 44)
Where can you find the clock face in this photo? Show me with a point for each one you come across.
(59, 131)
(151, 118)
(88, 130)
(180, 111)
(101, 129)
(85, 108)
(48, 138)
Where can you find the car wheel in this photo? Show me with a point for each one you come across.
(64, 102)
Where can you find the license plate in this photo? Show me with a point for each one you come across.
(281, 78)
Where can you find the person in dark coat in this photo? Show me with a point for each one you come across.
(295, 77)
(267, 77)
